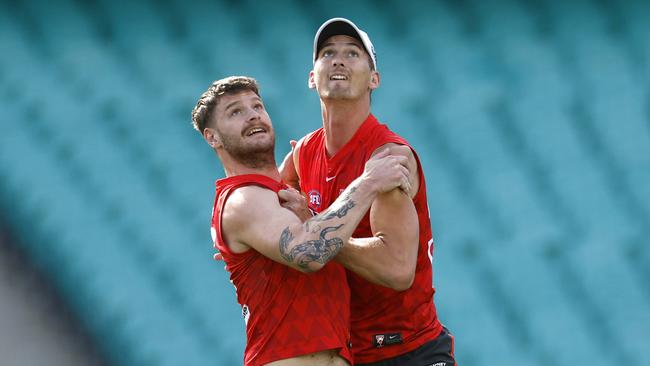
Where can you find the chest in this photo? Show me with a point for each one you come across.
(325, 179)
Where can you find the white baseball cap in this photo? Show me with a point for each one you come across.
(342, 26)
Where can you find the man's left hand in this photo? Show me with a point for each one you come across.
(296, 202)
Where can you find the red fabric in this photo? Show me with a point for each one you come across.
(290, 313)
(374, 309)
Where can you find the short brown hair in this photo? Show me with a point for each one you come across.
(204, 108)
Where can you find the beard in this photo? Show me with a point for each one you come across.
(256, 155)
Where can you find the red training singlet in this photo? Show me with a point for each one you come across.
(287, 313)
(377, 312)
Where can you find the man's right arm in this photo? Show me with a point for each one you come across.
(253, 218)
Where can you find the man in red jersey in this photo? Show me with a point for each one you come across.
(295, 304)
(393, 316)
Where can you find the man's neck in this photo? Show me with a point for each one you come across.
(341, 120)
(233, 167)
(271, 172)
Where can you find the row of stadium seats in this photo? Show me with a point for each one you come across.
(531, 119)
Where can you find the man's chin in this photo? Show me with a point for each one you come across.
(256, 158)
(336, 95)
(261, 148)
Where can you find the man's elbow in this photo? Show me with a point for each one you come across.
(402, 271)
(401, 280)
(310, 267)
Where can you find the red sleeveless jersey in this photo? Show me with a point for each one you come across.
(379, 316)
(287, 313)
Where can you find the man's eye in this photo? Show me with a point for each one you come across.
(328, 53)
(353, 54)
(258, 107)
(235, 112)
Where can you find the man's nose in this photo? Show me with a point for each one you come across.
(253, 114)
(337, 60)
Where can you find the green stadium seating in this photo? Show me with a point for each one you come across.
(531, 120)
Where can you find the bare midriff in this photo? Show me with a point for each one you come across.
(322, 358)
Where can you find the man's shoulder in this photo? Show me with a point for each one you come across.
(312, 137)
(397, 148)
(381, 131)
(247, 200)
(308, 146)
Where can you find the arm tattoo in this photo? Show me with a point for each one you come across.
(340, 212)
(346, 206)
(320, 250)
(285, 239)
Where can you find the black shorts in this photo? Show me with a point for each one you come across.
(438, 352)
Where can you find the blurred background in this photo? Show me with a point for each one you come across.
(531, 118)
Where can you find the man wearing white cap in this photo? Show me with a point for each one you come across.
(393, 316)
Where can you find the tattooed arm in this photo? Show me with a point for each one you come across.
(253, 218)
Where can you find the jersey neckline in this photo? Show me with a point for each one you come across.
(356, 139)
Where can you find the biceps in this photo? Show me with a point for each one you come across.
(394, 217)
(268, 230)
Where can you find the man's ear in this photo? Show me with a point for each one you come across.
(311, 83)
(375, 80)
(212, 138)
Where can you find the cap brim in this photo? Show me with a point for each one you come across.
(336, 28)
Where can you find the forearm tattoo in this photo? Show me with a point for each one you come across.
(346, 206)
(340, 212)
(320, 250)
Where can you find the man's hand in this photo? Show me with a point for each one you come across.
(387, 172)
(296, 202)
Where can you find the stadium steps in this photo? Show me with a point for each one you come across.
(89, 152)
(76, 237)
(456, 208)
(497, 327)
(292, 106)
(589, 308)
(552, 330)
(164, 65)
(608, 94)
(554, 274)
(635, 30)
(611, 284)
(111, 105)
(163, 232)
(531, 89)
(498, 41)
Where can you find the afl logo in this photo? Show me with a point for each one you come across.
(314, 199)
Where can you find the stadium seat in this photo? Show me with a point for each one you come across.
(530, 120)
